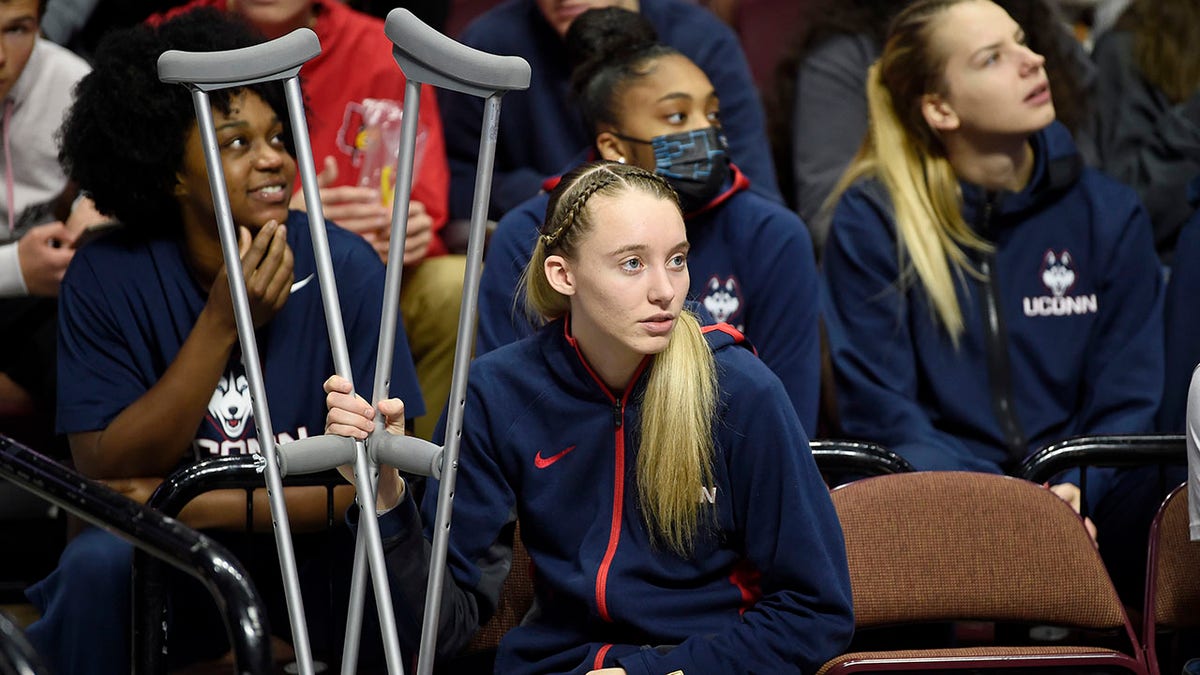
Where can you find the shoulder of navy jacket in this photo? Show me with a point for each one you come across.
(738, 183)
(550, 183)
(720, 335)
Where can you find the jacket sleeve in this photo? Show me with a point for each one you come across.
(783, 315)
(480, 549)
(791, 535)
(867, 318)
(1182, 326)
(1124, 374)
(501, 319)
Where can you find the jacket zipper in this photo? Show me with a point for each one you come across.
(996, 341)
(614, 530)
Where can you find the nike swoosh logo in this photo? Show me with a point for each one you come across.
(543, 462)
(302, 283)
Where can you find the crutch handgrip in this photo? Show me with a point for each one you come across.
(274, 60)
(408, 453)
(315, 454)
(427, 56)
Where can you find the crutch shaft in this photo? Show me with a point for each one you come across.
(249, 345)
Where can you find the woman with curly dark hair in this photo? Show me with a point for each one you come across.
(147, 330)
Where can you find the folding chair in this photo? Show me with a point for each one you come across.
(150, 584)
(841, 461)
(1115, 451)
(165, 538)
(1172, 609)
(930, 547)
(425, 57)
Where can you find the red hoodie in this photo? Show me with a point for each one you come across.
(356, 63)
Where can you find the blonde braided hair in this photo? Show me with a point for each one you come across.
(675, 446)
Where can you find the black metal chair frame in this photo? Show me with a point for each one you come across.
(839, 457)
(241, 472)
(1115, 451)
(158, 535)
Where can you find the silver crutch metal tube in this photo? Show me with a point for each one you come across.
(426, 56)
(281, 59)
(203, 73)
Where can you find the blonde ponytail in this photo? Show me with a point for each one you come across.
(903, 153)
(675, 449)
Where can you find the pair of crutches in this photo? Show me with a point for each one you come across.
(424, 56)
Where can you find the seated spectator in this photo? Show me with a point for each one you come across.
(147, 329)
(354, 71)
(541, 132)
(751, 577)
(986, 294)
(820, 112)
(36, 78)
(1182, 323)
(751, 260)
(1148, 109)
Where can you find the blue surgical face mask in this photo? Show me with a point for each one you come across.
(695, 163)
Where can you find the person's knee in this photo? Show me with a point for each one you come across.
(96, 560)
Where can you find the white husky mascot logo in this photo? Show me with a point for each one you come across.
(722, 298)
(1057, 273)
(230, 404)
(1058, 276)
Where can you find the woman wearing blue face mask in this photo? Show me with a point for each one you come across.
(751, 259)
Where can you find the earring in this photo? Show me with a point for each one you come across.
(621, 160)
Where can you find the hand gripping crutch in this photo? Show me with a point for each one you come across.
(428, 57)
(281, 59)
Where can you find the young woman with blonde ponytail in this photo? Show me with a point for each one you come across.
(986, 294)
(662, 479)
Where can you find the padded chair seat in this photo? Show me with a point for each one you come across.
(978, 657)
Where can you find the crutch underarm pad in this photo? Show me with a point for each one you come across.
(427, 56)
(315, 454)
(409, 454)
(278, 59)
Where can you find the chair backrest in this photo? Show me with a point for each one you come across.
(841, 460)
(944, 546)
(1172, 573)
(163, 538)
(1112, 451)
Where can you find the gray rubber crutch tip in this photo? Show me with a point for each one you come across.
(428, 56)
(277, 59)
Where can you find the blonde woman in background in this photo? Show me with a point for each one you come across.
(986, 294)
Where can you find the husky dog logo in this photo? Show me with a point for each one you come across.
(722, 298)
(1057, 273)
(230, 404)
